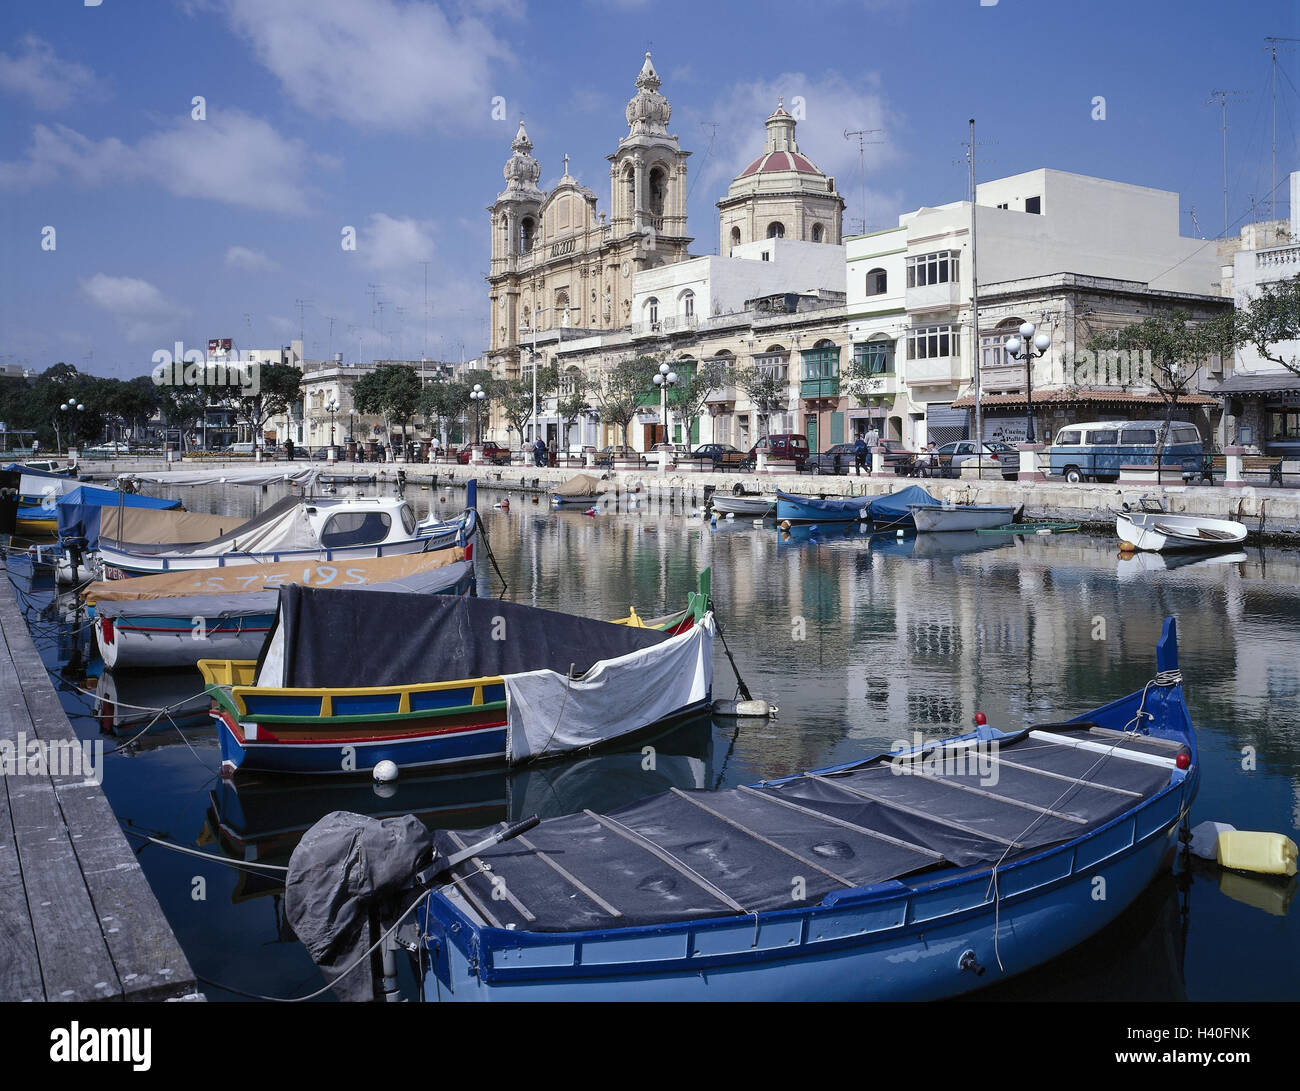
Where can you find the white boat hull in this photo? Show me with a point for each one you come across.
(757, 507)
(962, 517)
(1160, 531)
(135, 649)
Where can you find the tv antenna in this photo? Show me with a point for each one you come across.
(1273, 44)
(862, 135)
(302, 304)
(1195, 223)
(1221, 98)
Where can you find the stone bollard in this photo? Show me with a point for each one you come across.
(877, 462)
(1031, 461)
(760, 462)
(665, 461)
(1234, 476)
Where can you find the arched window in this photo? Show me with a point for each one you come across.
(652, 310)
(817, 233)
(658, 190)
(776, 230)
(526, 231)
(877, 282)
(993, 352)
(688, 303)
(629, 190)
(735, 236)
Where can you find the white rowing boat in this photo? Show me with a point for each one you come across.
(1156, 529)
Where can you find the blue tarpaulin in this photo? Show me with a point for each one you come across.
(893, 508)
(78, 511)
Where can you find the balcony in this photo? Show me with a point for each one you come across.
(820, 388)
(875, 385)
(1280, 261)
(1002, 377)
(721, 396)
(934, 297)
(936, 371)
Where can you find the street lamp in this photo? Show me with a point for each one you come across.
(1021, 347)
(663, 381)
(72, 408)
(476, 396)
(332, 407)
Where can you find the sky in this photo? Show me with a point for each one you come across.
(177, 170)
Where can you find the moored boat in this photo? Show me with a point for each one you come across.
(174, 619)
(813, 509)
(754, 507)
(345, 681)
(581, 490)
(922, 874)
(961, 517)
(1155, 528)
(896, 509)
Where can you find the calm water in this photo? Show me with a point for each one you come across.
(860, 641)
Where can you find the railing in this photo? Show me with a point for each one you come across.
(722, 394)
(820, 388)
(1289, 255)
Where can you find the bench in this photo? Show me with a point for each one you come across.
(1208, 466)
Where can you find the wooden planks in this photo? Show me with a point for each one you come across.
(78, 920)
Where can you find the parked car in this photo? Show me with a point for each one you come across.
(107, 450)
(793, 445)
(834, 460)
(723, 455)
(947, 460)
(492, 452)
(1096, 450)
(606, 455)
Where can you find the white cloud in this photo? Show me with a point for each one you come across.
(244, 257)
(231, 157)
(390, 243)
(51, 82)
(144, 313)
(377, 63)
(831, 105)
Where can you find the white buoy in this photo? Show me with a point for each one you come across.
(755, 708)
(385, 771)
(1205, 839)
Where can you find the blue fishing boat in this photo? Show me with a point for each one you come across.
(922, 874)
(813, 509)
(895, 509)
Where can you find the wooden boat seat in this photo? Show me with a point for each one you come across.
(687, 855)
(1207, 533)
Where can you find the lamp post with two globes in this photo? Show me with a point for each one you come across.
(1021, 346)
(663, 380)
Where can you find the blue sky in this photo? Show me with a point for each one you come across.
(376, 114)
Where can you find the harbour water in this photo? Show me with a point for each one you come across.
(861, 640)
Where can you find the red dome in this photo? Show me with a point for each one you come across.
(769, 162)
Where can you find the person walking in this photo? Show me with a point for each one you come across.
(860, 455)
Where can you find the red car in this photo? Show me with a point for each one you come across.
(498, 456)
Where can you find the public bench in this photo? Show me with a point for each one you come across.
(1209, 467)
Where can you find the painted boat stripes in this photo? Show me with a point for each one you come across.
(764, 840)
(996, 797)
(769, 797)
(1112, 749)
(668, 858)
(953, 823)
(568, 875)
(503, 886)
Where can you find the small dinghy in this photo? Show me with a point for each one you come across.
(755, 507)
(962, 517)
(578, 491)
(1156, 529)
(812, 509)
(921, 874)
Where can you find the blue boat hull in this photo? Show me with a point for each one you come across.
(806, 509)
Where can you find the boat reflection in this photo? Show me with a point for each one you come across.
(932, 546)
(1142, 563)
(155, 703)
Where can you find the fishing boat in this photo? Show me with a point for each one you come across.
(174, 619)
(753, 507)
(814, 509)
(1154, 528)
(39, 490)
(921, 874)
(79, 515)
(929, 519)
(346, 681)
(579, 491)
(897, 509)
(299, 529)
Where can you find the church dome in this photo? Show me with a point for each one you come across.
(782, 151)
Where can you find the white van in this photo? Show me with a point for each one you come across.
(238, 449)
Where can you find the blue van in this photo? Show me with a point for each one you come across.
(1095, 451)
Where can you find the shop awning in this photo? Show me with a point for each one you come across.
(1259, 383)
(1079, 397)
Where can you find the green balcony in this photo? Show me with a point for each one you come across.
(820, 388)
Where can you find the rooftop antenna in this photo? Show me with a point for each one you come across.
(862, 135)
(330, 319)
(302, 304)
(1195, 223)
(1273, 44)
(975, 296)
(248, 321)
(424, 345)
(1221, 97)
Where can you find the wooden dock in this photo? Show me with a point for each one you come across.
(78, 919)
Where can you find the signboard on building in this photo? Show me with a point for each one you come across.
(219, 344)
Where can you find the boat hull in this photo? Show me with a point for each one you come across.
(961, 517)
(1160, 532)
(756, 507)
(808, 509)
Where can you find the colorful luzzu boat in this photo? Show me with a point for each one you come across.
(346, 680)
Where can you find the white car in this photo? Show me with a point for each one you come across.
(108, 450)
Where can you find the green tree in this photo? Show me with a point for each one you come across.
(1168, 350)
(1271, 319)
(278, 387)
(571, 405)
(391, 391)
(691, 394)
(766, 390)
(442, 403)
(620, 390)
(515, 396)
(182, 407)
